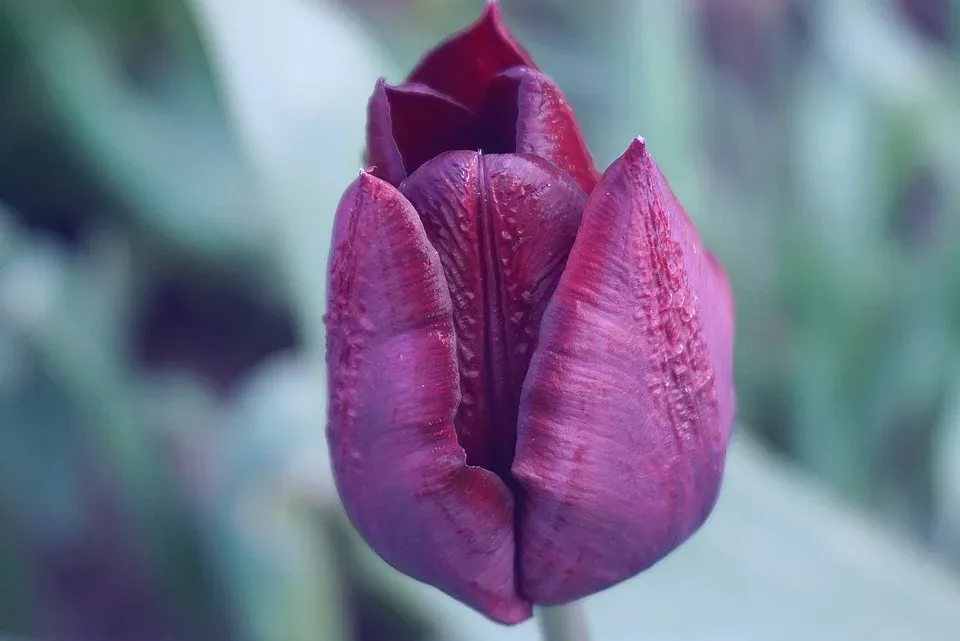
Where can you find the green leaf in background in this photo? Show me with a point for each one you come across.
(300, 114)
(947, 478)
(282, 575)
(169, 157)
(64, 313)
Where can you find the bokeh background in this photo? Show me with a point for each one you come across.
(168, 174)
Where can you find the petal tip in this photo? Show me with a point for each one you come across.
(384, 91)
(387, 89)
(379, 91)
(492, 12)
(492, 18)
(637, 156)
(462, 65)
(367, 180)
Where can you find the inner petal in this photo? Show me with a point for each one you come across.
(523, 111)
(463, 64)
(503, 226)
(410, 124)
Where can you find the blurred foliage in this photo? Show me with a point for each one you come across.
(169, 170)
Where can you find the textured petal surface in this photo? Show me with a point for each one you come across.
(393, 385)
(462, 65)
(627, 406)
(410, 124)
(503, 226)
(525, 112)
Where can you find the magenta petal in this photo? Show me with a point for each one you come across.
(627, 406)
(462, 65)
(392, 373)
(503, 226)
(410, 124)
(524, 111)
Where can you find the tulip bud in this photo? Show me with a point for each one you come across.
(530, 365)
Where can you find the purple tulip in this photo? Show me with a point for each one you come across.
(530, 365)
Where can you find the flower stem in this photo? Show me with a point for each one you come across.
(563, 623)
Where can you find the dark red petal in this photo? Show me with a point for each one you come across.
(392, 374)
(524, 111)
(627, 406)
(410, 124)
(503, 226)
(462, 65)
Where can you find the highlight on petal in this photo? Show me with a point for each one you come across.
(503, 226)
(393, 385)
(627, 406)
(462, 65)
(524, 111)
(409, 124)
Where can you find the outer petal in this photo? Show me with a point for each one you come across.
(503, 226)
(462, 65)
(627, 406)
(410, 124)
(524, 111)
(393, 393)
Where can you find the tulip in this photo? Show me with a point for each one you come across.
(530, 364)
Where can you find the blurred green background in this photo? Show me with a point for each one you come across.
(168, 175)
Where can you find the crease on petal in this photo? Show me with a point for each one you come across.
(622, 433)
(393, 393)
(503, 226)
(707, 277)
(409, 124)
(525, 112)
(462, 65)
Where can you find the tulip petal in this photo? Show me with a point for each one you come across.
(525, 112)
(627, 406)
(503, 226)
(410, 124)
(392, 373)
(462, 65)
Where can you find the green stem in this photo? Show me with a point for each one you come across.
(563, 622)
